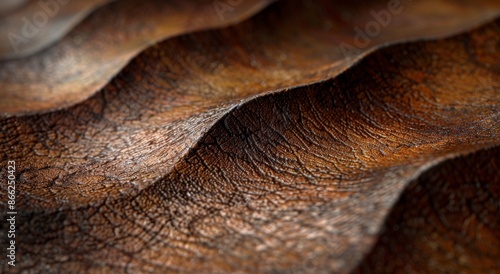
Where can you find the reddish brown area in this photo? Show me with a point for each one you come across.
(252, 149)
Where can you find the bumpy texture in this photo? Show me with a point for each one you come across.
(262, 148)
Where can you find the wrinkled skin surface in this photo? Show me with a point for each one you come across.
(447, 220)
(291, 43)
(191, 162)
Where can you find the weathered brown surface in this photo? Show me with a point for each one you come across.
(163, 171)
(28, 28)
(87, 58)
(446, 221)
(292, 43)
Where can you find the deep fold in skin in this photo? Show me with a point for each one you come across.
(87, 58)
(144, 121)
(294, 181)
(447, 221)
(291, 43)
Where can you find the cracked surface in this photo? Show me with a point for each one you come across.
(290, 43)
(446, 221)
(298, 180)
(89, 56)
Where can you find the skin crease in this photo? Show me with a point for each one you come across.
(294, 181)
(89, 56)
(188, 83)
(447, 221)
(272, 51)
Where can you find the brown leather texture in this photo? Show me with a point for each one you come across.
(258, 137)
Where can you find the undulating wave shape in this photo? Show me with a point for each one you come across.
(82, 62)
(290, 43)
(263, 148)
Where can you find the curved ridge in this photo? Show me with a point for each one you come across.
(162, 125)
(285, 51)
(458, 200)
(307, 173)
(38, 24)
(89, 56)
